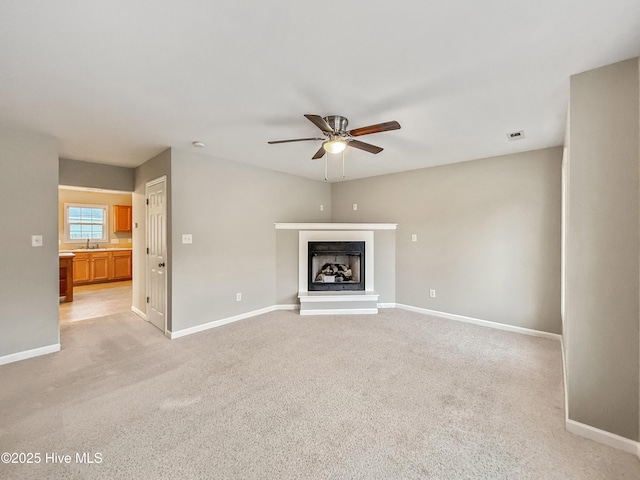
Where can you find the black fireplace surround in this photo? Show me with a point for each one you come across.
(335, 266)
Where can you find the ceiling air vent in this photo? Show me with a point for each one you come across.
(519, 135)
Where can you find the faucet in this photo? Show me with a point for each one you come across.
(87, 244)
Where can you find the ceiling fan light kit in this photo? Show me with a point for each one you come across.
(335, 145)
(337, 137)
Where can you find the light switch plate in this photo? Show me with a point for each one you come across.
(115, 240)
(36, 240)
(187, 238)
(414, 237)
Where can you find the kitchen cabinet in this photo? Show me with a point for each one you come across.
(66, 276)
(101, 266)
(121, 265)
(122, 218)
(81, 268)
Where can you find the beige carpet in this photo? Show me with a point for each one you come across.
(394, 396)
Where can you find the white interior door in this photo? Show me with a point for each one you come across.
(156, 194)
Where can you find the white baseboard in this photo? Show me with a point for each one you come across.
(484, 323)
(341, 311)
(224, 321)
(293, 306)
(603, 437)
(139, 312)
(564, 380)
(34, 352)
(386, 305)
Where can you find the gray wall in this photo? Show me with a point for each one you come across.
(384, 244)
(602, 282)
(488, 235)
(28, 275)
(230, 209)
(95, 175)
(287, 267)
(150, 170)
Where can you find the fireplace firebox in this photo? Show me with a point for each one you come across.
(336, 266)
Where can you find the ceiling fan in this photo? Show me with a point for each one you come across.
(336, 136)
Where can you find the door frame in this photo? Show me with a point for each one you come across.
(151, 183)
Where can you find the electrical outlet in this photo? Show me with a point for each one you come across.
(414, 237)
(432, 293)
(187, 238)
(238, 297)
(115, 240)
(322, 208)
(355, 207)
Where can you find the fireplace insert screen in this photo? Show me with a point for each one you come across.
(336, 266)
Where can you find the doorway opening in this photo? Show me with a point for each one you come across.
(95, 249)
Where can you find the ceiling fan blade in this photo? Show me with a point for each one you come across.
(273, 142)
(377, 128)
(319, 122)
(319, 154)
(367, 147)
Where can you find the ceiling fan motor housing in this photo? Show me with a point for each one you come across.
(337, 122)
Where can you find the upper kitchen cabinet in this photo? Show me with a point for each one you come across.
(122, 218)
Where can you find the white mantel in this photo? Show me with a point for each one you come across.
(336, 226)
(344, 301)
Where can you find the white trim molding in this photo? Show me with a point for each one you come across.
(484, 323)
(340, 296)
(304, 237)
(34, 352)
(341, 311)
(224, 321)
(603, 437)
(139, 312)
(386, 305)
(336, 226)
(291, 306)
(564, 380)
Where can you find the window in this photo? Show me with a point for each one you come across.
(82, 222)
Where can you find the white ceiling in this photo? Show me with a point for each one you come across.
(119, 81)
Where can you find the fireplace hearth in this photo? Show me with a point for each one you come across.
(336, 266)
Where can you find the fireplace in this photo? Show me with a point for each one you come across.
(340, 247)
(336, 266)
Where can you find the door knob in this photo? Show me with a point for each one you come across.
(161, 265)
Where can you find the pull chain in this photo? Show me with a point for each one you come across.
(342, 163)
(326, 170)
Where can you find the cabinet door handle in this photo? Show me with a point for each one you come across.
(161, 265)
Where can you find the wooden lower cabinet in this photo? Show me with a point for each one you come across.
(121, 265)
(82, 268)
(66, 276)
(100, 267)
(97, 267)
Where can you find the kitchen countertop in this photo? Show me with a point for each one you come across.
(89, 250)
